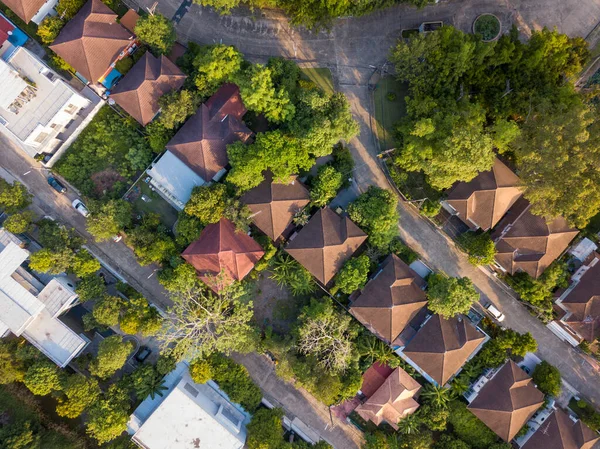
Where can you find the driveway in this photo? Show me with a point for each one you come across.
(49, 202)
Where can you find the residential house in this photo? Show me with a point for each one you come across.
(129, 20)
(273, 205)
(373, 378)
(188, 415)
(222, 254)
(527, 242)
(30, 309)
(32, 10)
(483, 201)
(581, 304)
(92, 42)
(148, 80)
(37, 107)
(197, 154)
(325, 243)
(507, 401)
(11, 37)
(560, 431)
(393, 401)
(391, 300)
(442, 346)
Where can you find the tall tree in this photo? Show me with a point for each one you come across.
(79, 393)
(109, 219)
(112, 355)
(325, 186)
(176, 107)
(43, 378)
(265, 430)
(375, 212)
(207, 203)
(353, 275)
(107, 418)
(450, 296)
(13, 197)
(215, 64)
(157, 31)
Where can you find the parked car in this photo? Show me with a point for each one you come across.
(494, 312)
(143, 354)
(117, 238)
(56, 185)
(80, 207)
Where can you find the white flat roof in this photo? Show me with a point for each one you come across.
(193, 416)
(175, 176)
(56, 296)
(12, 85)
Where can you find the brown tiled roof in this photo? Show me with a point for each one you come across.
(202, 141)
(221, 251)
(527, 242)
(92, 40)
(325, 243)
(149, 79)
(129, 20)
(584, 304)
(483, 201)
(274, 205)
(560, 432)
(374, 377)
(392, 401)
(507, 401)
(441, 347)
(389, 302)
(25, 9)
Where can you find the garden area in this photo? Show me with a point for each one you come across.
(390, 107)
(147, 201)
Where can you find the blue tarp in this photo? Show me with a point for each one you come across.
(111, 78)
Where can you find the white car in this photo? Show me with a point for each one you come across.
(495, 312)
(80, 207)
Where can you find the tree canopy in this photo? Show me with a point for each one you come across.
(375, 212)
(353, 275)
(108, 416)
(43, 378)
(109, 219)
(112, 355)
(78, 394)
(13, 197)
(325, 186)
(157, 31)
(547, 378)
(450, 296)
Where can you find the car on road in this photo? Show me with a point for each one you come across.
(143, 354)
(56, 185)
(492, 310)
(80, 207)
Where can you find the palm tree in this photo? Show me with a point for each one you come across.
(437, 396)
(409, 424)
(152, 386)
(461, 384)
(374, 350)
(471, 370)
(283, 268)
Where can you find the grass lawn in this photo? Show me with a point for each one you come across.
(157, 205)
(321, 77)
(388, 112)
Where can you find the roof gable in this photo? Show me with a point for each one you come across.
(389, 301)
(507, 401)
(92, 40)
(221, 249)
(149, 79)
(25, 9)
(560, 432)
(274, 205)
(325, 243)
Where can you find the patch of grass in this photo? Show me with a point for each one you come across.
(321, 76)
(158, 205)
(389, 111)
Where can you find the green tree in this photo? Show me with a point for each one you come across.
(449, 442)
(547, 378)
(265, 430)
(207, 203)
(434, 418)
(326, 185)
(111, 218)
(215, 64)
(201, 322)
(289, 273)
(112, 355)
(151, 241)
(201, 371)
(157, 31)
(187, 229)
(469, 428)
(437, 396)
(176, 107)
(79, 393)
(181, 278)
(234, 380)
(13, 197)
(327, 335)
(222, 6)
(20, 435)
(260, 95)
(146, 381)
(68, 8)
(107, 310)
(409, 425)
(450, 296)
(57, 237)
(375, 211)
(140, 317)
(19, 222)
(43, 378)
(479, 247)
(158, 135)
(90, 287)
(50, 261)
(12, 369)
(84, 264)
(108, 416)
(353, 275)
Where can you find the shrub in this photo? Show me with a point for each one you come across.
(391, 96)
(469, 428)
(488, 26)
(201, 371)
(326, 185)
(234, 380)
(124, 65)
(547, 378)
(403, 251)
(430, 208)
(353, 275)
(265, 430)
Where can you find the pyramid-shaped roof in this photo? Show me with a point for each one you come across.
(325, 243)
(483, 201)
(584, 304)
(507, 401)
(202, 141)
(560, 432)
(92, 40)
(222, 254)
(527, 242)
(148, 80)
(442, 346)
(392, 401)
(25, 9)
(389, 301)
(274, 205)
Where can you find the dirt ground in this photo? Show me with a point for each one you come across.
(105, 180)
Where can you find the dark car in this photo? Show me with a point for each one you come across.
(56, 185)
(143, 354)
